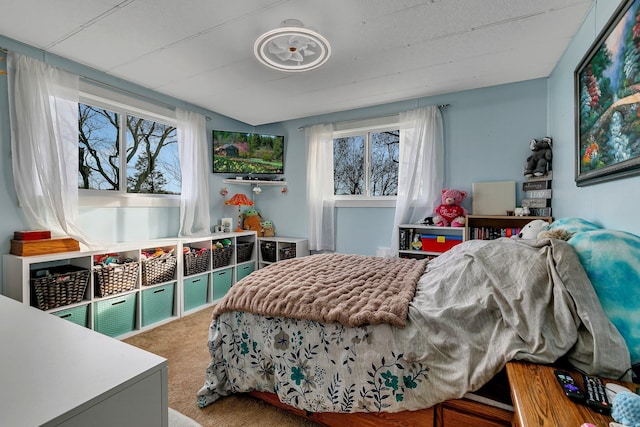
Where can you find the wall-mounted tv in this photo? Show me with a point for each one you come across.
(244, 153)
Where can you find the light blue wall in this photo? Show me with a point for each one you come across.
(487, 133)
(611, 204)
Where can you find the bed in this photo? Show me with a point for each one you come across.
(445, 330)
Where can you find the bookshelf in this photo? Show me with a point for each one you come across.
(431, 240)
(489, 227)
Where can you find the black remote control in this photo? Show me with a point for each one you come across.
(569, 386)
(596, 394)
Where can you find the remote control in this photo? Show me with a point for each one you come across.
(569, 386)
(596, 394)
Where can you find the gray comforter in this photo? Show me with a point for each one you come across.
(476, 307)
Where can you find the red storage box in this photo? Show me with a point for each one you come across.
(31, 235)
(439, 243)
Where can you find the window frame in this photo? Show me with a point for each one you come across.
(98, 96)
(365, 127)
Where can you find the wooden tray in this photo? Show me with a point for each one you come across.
(44, 246)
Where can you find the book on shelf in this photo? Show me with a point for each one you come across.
(403, 236)
(490, 233)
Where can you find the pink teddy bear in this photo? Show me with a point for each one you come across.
(450, 213)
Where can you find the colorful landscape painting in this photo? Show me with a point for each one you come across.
(607, 100)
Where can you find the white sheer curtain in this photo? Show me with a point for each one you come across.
(421, 168)
(43, 110)
(194, 199)
(320, 200)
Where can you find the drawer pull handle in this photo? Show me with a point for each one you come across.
(64, 316)
(158, 291)
(196, 281)
(119, 302)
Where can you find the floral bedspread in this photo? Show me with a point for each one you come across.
(476, 307)
(303, 361)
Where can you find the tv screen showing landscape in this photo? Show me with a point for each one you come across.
(243, 153)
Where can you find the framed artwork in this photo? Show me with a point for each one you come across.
(227, 224)
(607, 101)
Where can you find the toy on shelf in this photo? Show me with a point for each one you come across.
(450, 213)
(268, 230)
(252, 221)
(539, 163)
(156, 253)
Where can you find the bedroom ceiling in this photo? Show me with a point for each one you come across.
(201, 51)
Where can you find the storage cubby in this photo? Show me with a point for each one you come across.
(221, 279)
(274, 249)
(117, 315)
(244, 270)
(124, 289)
(196, 290)
(427, 241)
(78, 315)
(157, 304)
(116, 272)
(232, 257)
(159, 264)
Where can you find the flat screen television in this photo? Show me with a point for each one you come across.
(246, 153)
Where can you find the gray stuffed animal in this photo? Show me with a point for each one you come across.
(539, 163)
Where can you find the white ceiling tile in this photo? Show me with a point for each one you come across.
(201, 51)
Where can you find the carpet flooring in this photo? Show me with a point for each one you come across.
(183, 342)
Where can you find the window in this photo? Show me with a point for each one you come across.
(125, 150)
(365, 161)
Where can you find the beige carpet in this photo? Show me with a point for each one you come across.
(183, 343)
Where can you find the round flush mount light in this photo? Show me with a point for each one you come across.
(292, 47)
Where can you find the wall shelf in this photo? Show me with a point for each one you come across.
(253, 182)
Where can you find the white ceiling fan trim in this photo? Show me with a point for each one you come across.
(268, 44)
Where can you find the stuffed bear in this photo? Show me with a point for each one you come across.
(539, 163)
(252, 221)
(267, 229)
(450, 213)
(531, 229)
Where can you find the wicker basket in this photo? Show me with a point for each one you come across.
(197, 262)
(158, 270)
(268, 251)
(288, 253)
(57, 286)
(222, 256)
(115, 278)
(245, 250)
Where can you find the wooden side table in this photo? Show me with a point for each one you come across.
(538, 399)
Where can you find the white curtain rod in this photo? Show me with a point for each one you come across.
(379, 117)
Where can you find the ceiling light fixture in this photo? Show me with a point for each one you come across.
(292, 47)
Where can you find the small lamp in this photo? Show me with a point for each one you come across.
(239, 200)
